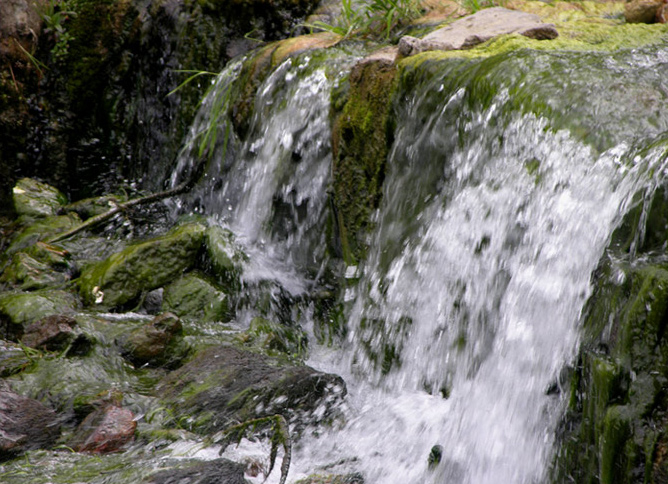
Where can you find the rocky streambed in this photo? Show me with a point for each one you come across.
(116, 350)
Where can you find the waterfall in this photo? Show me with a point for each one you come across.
(495, 213)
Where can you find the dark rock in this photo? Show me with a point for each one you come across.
(642, 11)
(223, 385)
(478, 28)
(51, 333)
(219, 471)
(25, 424)
(105, 430)
(153, 301)
(156, 343)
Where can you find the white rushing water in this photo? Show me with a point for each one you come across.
(467, 308)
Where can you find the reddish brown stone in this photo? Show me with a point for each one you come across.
(51, 333)
(105, 430)
(662, 13)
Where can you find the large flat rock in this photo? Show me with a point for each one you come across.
(477, 28)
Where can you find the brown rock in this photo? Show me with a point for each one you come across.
(25, 424)
(662, 13)
(477, 28)
(51, 333)
(155, 343)
(105, 430)
(642, 11)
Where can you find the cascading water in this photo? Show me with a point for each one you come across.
(494, 216)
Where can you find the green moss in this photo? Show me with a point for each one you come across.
(20, 309)
(275, 339)
(616, 449)
(142, 267)
(193, 297)
(362, 134)
(40, 229)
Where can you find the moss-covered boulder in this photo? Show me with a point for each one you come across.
(223, 385)
(142, 267)
(40, 230)
(36, 199)
(18, 310)
(361, 137)
(194, 297)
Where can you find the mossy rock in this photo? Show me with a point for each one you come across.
(362, 135)
(142, 267)
(27, 274)
(19, 309)
(41, 229)
(13, 359)
(193, 297)
(355, 478)
(224, 259)
(36, 199)
(275, 339)
(90, 207)
(223, 385)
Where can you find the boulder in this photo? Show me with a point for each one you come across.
(193, 297)
(275, 339)
(210, 472)
(142, 267)
(13, 359)
(224, 257)
(478, 28)
(28, 274)
(642, 11)
(25, 424)
(223, 385)
(37, 199)
(662, 13)
(18, 310)
(105, 430)
(156, 343)
(51, 333)
(41, 229)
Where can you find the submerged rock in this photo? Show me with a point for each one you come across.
(105, 430)
(355, 478)
(224, 258)
(25, 424)
(37, 199)
(156, 343)
(211, 472)
(478, 28)
(223, 385)
(142, 267)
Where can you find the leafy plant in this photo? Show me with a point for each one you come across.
(55, 13)
(371, 18)
(280, 437)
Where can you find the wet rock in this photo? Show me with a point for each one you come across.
(156, 343)
(13, 359)
(18, 310)
(275, 339)
(25, 424)
(51, 333)
(105, 430)
(224, 258)
(140, 268)
(642, 11)
(28, 274)
(37, 199)
(193, 297)
(478, 28)
(153, 301)
(223, 385)
(42, 229)
(211, 472)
